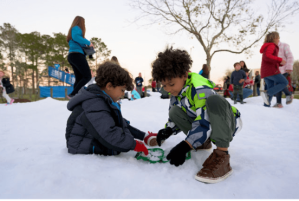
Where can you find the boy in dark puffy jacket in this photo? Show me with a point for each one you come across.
(96, 124)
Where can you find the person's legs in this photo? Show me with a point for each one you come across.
(258, 91)
(280, 83)
(217, 167)
(181, 119)
(247, 92)
(78, 62)
(184, 123)
(139, 90)
(5, 95)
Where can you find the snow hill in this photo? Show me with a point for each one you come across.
(34, 162)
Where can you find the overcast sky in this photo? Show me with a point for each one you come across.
(135, 46)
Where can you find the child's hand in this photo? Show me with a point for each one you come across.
(140, 147)
(163, 134)
(283, 62)
(177, 155)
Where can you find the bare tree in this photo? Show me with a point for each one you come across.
(215, 23)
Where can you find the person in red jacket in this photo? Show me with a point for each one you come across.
(154, 85)
(270, 67)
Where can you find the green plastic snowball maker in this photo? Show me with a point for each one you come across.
(156, 155)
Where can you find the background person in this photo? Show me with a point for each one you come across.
(205, 71)
(257, 82)
(4, 92)
(270, 68)
(286, 54)
(138, 82)
(76, 57)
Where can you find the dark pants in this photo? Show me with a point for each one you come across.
(221, 118)
(285, 91)
(154, 89)
(238, 90)
(81, 70)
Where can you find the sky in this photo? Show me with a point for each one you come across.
(134, 45)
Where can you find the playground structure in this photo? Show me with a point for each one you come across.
(57, 91)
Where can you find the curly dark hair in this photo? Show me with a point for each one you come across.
(170, 64)
(114, 73)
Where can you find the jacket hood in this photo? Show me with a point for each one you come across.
(92, 91)
(266, 45)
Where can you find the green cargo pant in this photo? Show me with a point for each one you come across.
(221, 118)
(238, 90)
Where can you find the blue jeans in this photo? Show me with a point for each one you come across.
(258, 91)
(246, 92)
(275, 84)
(285, 91)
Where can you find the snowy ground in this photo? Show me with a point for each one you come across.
(34, 162)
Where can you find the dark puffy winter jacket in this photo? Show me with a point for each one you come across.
(97, 126)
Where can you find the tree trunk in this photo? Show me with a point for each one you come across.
(209, 58)
(33, 83)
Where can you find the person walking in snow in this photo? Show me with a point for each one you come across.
(197, 110)
(4, 82)
(96, 124)
(286, 54)
(275, 81)
(138, 82)
(76, 57)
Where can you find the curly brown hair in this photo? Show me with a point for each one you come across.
(114, 73)
(170, 64)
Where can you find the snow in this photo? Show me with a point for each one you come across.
(34, 162)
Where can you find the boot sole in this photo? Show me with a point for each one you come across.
(213, 180)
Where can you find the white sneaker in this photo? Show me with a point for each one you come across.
(265, 97)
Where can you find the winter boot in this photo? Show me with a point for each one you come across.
(216, 168)
(289, 99)
(206, 145)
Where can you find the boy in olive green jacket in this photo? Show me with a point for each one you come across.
(198, 111)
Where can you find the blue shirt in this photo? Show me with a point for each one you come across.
(77, 35)
(237, 76)
(138, 81)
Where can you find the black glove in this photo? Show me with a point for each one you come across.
(177, 155)
(163, 134)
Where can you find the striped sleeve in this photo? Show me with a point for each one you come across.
(201, 129)
(171, 124)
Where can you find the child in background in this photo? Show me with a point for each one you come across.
(275, 81)
(237, 78)
(96, 124)
(4, 94)
(248, 83)
(197, 110)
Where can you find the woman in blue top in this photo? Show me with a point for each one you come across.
(76, 57)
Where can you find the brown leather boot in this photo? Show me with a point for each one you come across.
(216, 168)
(206, 145)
